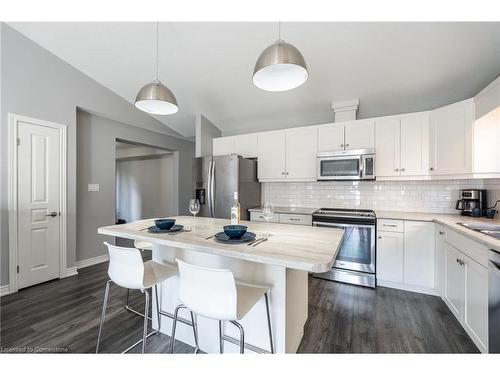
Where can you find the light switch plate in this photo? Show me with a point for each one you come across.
(93, 187)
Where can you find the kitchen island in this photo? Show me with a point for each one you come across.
(282, 263)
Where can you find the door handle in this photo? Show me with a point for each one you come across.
(52, 214)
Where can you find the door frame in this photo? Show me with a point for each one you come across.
(13, 121)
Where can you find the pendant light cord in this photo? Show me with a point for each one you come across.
(157, 25)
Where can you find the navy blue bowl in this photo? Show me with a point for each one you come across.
(235, 231)
(164, 223)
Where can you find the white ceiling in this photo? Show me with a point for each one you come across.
(391, 67)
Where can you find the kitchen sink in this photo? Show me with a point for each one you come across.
(492, 230)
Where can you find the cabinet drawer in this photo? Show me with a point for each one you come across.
(257, 216)
(389, 225)
(469, 247)
(296, 219)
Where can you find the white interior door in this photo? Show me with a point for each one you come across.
(38, 206)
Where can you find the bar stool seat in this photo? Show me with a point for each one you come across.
(127, 269)
(215, 294)
(247, 295)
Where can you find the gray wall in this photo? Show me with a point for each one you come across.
(146, 187)
(205, 132)
(38, 84)
(96, 164)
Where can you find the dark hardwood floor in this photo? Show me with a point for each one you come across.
(63, 315)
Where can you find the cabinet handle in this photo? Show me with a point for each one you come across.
(389, 225)
(293, 219)
(460, 261)
(441, 232)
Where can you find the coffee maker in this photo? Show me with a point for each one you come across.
(471, 199)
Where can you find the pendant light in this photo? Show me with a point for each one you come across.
(156, 98)
(280, 67)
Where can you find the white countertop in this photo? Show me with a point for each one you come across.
(305, 248)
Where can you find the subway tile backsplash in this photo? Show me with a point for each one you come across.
(414, 196)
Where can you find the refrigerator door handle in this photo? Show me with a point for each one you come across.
(211, 193)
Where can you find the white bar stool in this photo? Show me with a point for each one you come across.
(127, 270)
(214, 294)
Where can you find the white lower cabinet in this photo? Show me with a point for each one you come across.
(419, 254)
(465, 291)
(406, 255)
(390, 257)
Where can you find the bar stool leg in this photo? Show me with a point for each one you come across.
(174, 326)
(145, 329)
(103, 315)
(221, 340)
(195, 333)
(242, 336)
(271, 345)
(157, 308)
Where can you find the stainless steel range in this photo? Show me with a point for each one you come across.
(355, 262)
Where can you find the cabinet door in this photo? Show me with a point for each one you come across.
(486, 141)
(246, 145)
(440, 258)
(454, 281)
(419, 254)
(390, 256)
(451, 138)
(223, 146)
(330, 137)
(301, 150)
(271, 155)
(359, 134)
(387, 147)
(476, 302)
(415, 145)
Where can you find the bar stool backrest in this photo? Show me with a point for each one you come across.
(126, 267)
(209, 292)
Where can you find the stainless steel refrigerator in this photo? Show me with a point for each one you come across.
(216, 178)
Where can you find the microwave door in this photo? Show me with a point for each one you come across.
(339, 168)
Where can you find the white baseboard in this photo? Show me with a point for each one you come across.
(4, 290)
(91, 261)
(70, 271)
(409, 288)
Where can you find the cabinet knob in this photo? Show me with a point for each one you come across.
(379, 237)
(341, 145)
(347, 145)
(283, 173)
(396, 170)
(431, 168)
(402, 169)
(286, 173)
(441, 232)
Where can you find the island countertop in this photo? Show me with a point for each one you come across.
(311, 249)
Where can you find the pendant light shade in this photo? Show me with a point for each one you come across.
(156, 98)
(280, 67)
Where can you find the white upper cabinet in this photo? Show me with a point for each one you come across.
(359, 134)
(451, 139)
(330, 137)
(246, 145)
(415, 144)
(301, 150)
(348, 135)
(487, 143)
(401, 145)
(271, 155)
(288, 154)
(223, 146)
(387, 147)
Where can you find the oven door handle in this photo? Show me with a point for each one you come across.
(340, 226)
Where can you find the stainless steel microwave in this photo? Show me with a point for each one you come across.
(346, 165)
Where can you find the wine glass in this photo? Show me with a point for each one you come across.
(194, 207)
(267, 212)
